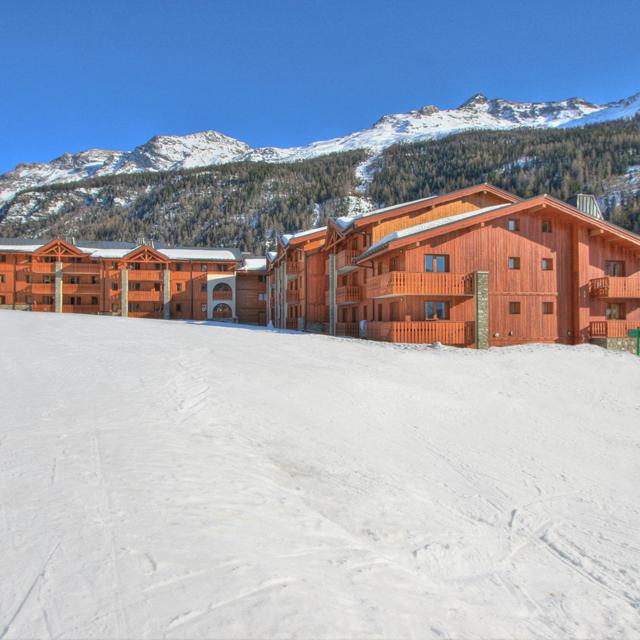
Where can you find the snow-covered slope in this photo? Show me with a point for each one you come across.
(170, 480)
(164, 153)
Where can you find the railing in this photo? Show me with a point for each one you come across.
(41, 267)
(398, 283)
(222, 295)
(293, 296)
(423, 332)
(43, 288)
(90, 268)
(294, 269)
(344, 260)
(89, 289)
(612, 328)
(146, 274)
(144, 295)
(42, 307)
(348, 294)
(347, 329)
(80, 308)
(292, 324)
(615, 287)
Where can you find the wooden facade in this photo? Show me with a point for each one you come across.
(416, 272)
(132, 280)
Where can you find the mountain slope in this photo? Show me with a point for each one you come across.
(163, 153)
(160, 503)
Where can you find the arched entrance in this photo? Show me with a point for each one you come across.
(222, 291)
(222, 312)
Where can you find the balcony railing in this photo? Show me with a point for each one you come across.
(615, 287)
(423, 332)
(347, 329)
(152, 275)
(292, 324)
(43, 288)
(90, 268)
(42, 307)
(294, 269)
(348, 295)
(612, 328)
(293, 296)
(223, 295)
(80, 308)
(144, 295)
(41, 267)
(344, 260)
(89, 289)
(407, 283)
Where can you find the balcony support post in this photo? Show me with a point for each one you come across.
(124, 292)
(58, 291)
(481, 288)
(283, 292)
(166, 295)
(333, 308)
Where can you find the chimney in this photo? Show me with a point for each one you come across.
(588, 204)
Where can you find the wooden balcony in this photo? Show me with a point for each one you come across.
(292, 325)
(293, 296)
(42, 307)
(294, 269)
(407, 283)
(41, 288)
(347, 329)
(612, 328)
(348, 295)
(88, 268)
(344, 260)
(75, 289)
(423, 332)
(144, 295)
(41, 267)
(148, 275)
(615, 287)
(80, 308)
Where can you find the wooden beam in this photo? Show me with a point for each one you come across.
(596, 232)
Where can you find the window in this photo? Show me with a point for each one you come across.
(222, 267)
(3, 258)
(379, 313)
(260, 278)
(157, 266)
(135, 286)
(178, 286)
(94, 279)
(546, 226)
(614, 267)
(47, 300)
(547, 308)
(135, 266)
(514, 263)
(514, 308)
(46, 279)
(73, 280)
(27, 279)
(436, 263)
(94, 300)
(178, 307)
(2, 278)
(74, 260)
(156, 286)
(204, 267)
(203, 307)
(114, 265)
(2, 300)
(393, 264)
(615, 311)
(178, 266)
(29, 300)
(262, 297)
(436, 310)
(134, 306)
(114, 286)
(513, 224)
(48, 259)
(547, 264)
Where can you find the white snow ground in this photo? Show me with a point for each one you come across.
(164, 479)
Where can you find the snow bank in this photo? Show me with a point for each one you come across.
(161, 479)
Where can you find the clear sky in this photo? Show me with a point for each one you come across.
(76, 74)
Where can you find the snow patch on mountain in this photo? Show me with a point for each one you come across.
(169, 153)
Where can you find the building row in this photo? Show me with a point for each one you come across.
(146, 280)
(477, 267)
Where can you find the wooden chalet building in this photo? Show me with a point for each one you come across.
(477, 267)
(137, 280)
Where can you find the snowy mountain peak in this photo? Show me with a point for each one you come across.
(169, 153)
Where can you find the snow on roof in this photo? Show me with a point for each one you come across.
(272, 256)
(344, 222)
(26, 248)
(287, 237)
(428, 226)
(180, 253)
(253, 264)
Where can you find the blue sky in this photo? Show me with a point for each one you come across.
(76, 75)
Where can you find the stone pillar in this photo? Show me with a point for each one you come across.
(58, 291)
(481, 287)
(124, 292)
(333, 307)
(267, 280)
(283, 293)
(166, 295)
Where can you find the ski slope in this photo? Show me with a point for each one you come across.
(183, 480)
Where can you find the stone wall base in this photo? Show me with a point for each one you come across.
(616, 344)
